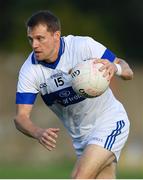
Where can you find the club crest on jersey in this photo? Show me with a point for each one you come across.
(64, 93)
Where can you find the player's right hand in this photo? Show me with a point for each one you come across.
(47, 137)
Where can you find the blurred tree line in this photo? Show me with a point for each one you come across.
(116, 24)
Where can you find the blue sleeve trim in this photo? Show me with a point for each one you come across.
(25, 98)
(108, 55)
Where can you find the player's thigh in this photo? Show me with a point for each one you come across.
(92, 161)
(108, 172)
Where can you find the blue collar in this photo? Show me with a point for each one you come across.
(54, 64)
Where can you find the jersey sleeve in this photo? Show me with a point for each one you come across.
(26, 87)
(97, 50)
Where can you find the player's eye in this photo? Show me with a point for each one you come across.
(40, 39)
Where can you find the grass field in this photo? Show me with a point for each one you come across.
(53, 171)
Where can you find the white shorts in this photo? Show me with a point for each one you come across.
(110, 135)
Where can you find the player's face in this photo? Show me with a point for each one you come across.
(44, 44)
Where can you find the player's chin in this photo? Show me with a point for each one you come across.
(39, 58)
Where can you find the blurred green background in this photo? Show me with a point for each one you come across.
(116, 24)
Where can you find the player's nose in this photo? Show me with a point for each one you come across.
(35, 44)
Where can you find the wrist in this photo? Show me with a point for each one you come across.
(119, 69)
(37, 132)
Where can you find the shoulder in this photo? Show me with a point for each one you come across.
(76, 39)
(85, 45)
(82, 42)
(27, 78)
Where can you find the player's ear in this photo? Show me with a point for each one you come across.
(57, 35)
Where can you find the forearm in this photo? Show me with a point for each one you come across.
(46, 137)
(126, 72)
(25, 125)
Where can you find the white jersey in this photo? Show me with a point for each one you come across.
(53, 82)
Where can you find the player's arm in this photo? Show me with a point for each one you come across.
(46, 137)
(118, 67)
(123, 70)
(112, 64)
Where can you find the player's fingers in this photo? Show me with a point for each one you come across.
(102, 68)
(95, 61)
(108, 74)
(109, 68)
(106, 64)
(51, 142)
(53, 135)
(55, 130)
(50, 133)
(50, 139)
(103, 61)
(47, 146)
(43, 144)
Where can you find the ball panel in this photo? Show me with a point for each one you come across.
(87, 80)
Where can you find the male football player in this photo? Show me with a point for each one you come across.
(99, 126)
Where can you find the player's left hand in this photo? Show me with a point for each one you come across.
(108, 66)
